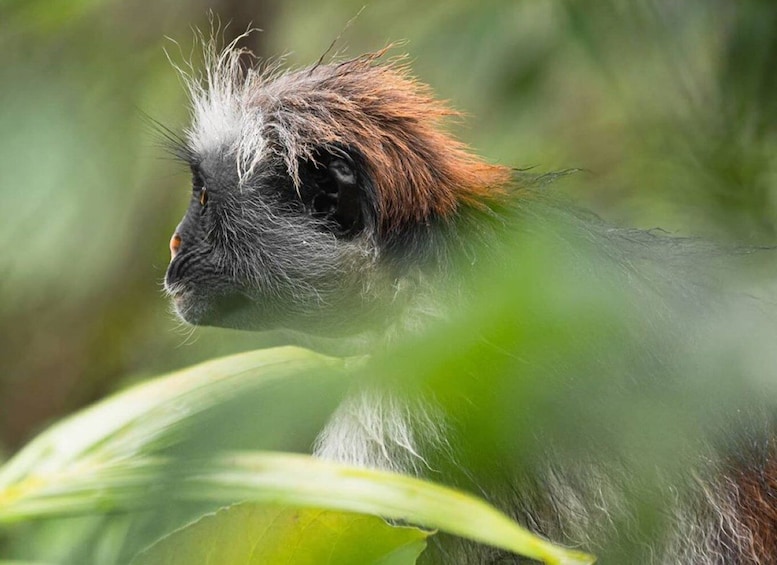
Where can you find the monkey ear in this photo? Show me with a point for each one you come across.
(348, 210)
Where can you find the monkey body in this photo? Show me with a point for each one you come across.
(329, 201)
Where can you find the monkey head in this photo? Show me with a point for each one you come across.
(315, 194)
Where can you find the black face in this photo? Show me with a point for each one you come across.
(264, 254)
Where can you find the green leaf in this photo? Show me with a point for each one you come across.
(250, 534)
(110, 449)
(108, 458)
(304, 481)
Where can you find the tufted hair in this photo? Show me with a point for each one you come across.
(367, 105)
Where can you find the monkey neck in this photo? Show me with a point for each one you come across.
(430, 264)
(427, 267)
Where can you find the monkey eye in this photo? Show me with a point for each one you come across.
(198, 185)
(198, 182)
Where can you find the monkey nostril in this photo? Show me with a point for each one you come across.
(175, 245)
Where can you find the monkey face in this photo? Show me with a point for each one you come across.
(265, 253)
(316, 195)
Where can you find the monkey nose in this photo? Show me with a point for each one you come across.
(175, 245)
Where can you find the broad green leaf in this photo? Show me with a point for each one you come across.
(250, 534)
(107, 458)
(109, 448)
(304, 481)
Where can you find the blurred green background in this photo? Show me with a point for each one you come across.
(669, 108)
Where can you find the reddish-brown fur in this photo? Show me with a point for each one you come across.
(756, 508)
(419, 171)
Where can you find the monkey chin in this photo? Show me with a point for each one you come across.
(331, 333)
(232, 310)
(187, 308)
(228, 310)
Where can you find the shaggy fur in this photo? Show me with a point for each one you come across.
(378, 110)
(263, 252)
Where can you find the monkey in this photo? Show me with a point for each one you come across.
(331, 201)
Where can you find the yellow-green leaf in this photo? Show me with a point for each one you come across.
(304, 481)
(251, 534)
(106, 457)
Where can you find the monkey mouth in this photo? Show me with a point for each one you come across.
(177, 293)
(227, 309)
(184, 304)
(179, 303)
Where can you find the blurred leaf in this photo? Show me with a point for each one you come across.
(249, 534)
(287, 479)
(109, 457)
(309, 482)
(103, 447)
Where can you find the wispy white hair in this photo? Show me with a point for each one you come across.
(224, 116)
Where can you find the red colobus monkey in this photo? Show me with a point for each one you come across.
(330, 200)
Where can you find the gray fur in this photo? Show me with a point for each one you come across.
(252, 243)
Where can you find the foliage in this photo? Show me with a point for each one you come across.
(116, 457)
(256, 535)
(666, 108)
